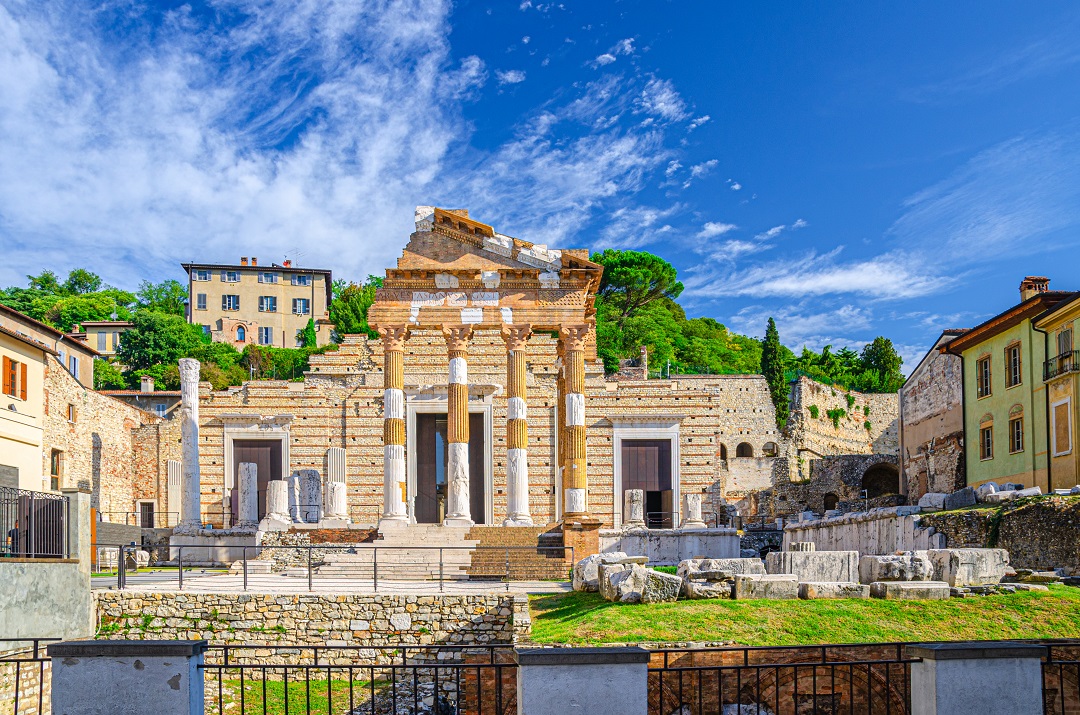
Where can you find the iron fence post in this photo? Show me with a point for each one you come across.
(508, 568)
(375, 570)
(120, 568)
(440, 570)
(180, 565)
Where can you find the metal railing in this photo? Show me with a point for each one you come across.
(33, 524)
(158, 520)
(672, 520)
(360, 680)
(435, 564)
(23, 682)
(1061, 679)
(1061, 364)
(865, 678)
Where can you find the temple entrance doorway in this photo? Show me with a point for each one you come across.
(646, 465)
(266, 453)
(430, 497)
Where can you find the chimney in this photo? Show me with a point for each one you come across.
(1031, 286)
(644, 360)
(286, 263)
(146, 384)
(254, 261)
(243, 260)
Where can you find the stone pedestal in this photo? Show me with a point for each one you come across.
(249, 496)
(309, 485)
(633, 510)
(336, 510)
(691, 513)
(976, 678)
(557, 681)
(277, 507)
(583, 536)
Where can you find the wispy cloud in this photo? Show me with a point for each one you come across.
(510, 76)
(622, 47)
(805, 324)
(699, 121)
(636, 227)
(660, 99)
(715, 228)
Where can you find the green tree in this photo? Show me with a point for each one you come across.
(158, 339)
(70, 310)
(348, 310)
(308, 337)
(633, 279)
(47, 282)
(108, 376)
(168, 296)
(881, 360)
(80, 281)
(772, 368)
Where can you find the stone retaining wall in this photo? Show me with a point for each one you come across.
(314, 619)
(876, 532)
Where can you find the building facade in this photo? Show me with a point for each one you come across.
(102, 335)
(932, 423)
(1004, 393)
(1061, 375)
(262, 305)
(22, 407)
(76, 356)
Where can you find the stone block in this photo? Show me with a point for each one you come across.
(961, 498)
(690, 568)
(770, 586)
(910, 590)
(692, 589)
(604, 574)
(637, 584)
(811, 590)
(586, 574)
(969, 567)
(659, 587)
(815, 565)
(984, 490)
(1032, 576)
(932, 501)
(908, 566)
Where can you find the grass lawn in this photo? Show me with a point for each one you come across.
(587, 618)
(300, 695)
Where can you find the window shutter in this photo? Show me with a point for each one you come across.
(22, 381)
(8, 389)
(224, 302)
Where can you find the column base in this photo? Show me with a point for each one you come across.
(334, 522)
(518, 520)
(693, 525)
(582, 534)
(393, 521)
(458, 521)
(188, 528)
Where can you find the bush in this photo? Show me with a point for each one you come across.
(107, 376)
(850, 400)
(835, 416)
(866, 425)
(814, 412)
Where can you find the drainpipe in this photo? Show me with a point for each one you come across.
(1046, 408)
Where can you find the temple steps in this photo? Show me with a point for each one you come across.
(493, 559)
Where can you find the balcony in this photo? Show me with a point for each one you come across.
(1062, 364)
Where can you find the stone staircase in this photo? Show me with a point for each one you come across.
(489, 560)
(406, 554)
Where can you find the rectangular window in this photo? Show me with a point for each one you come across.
(266, 336)
(300, 279)
(982, 376)
(1061, 426)
(986, 442)
(146, 514)
(72, 413)
(160, 409)
(73, 365)
(1016, 435)
(200, 276)
(268, 277)
(230, 277)
(206, 329)
(267, 304)
(200, 301)
(101, 337)
(301, 306)
(1013, 375)
(14, 378)
(115, 341)
(56, 469)
(230, 302)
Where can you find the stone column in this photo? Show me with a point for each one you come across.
(310, 502)
(191, 501)
(277, 507)
(394, 484)
(691, 514)
(575, 478)
(517, 429)
(633, 509)
(457, 426)
(249, 496)
(335, 501)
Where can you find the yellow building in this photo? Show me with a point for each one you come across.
(1061, 374)
(103, 335)
(74, 354)
(265, 305)
(22, 409)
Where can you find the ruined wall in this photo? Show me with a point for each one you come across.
(97, 446)
(154, 445)
(932, 426)
(841, 477)
(819, 437)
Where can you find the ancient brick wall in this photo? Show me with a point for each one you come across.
(850, 435)
(842, 478)
(932, 426)
(98, 450)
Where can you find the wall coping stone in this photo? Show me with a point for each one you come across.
(581, 656)
(121, 649)
(971, 650)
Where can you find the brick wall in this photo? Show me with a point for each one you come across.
(821, 438)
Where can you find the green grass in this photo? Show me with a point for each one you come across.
(587, 618)
(299, 694)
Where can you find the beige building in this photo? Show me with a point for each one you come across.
(76, 356)
(263, 305)
(102, 335)
(22, 406)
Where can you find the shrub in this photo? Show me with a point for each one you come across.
(866, 425)
(814, 411)
(835, 416)
(850, 400)
(866, 410)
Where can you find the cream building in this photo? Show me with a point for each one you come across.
(22, 407)
(264, 305)
(103, 335)
(76, 356)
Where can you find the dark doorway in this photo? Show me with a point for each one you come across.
(646, 465)
(266, 453)
(881, 479)
(429, 506)
(831, 501)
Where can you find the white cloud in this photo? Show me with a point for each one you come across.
(771, 233)
(660, 99)
(604, 59)
(694, 124)
(672, 167)
(526, 40)
(636, 227)
(510, 76)
(624, 47)
(803, 323)
(799, 223)
(736, 186)
(715, 228)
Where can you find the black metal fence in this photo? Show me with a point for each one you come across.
(833, 679)
(33, 524)
(24, 676)
(1061, 678)
(360, 680)
(143, 519)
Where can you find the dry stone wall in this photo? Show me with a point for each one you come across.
(933, 427)
(819, 437)
(314, 619)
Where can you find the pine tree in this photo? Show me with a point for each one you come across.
(772, 367)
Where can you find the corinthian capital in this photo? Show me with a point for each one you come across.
(457, 337)
(516, 336)
(573, 336)
(393, 336)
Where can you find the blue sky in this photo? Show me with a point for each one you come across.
(851, 168)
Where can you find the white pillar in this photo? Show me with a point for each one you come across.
(458, 508)
(191, 502)
(277, 500)
(335, 506)
(692, 512)
(517, 429)
(249, 496)
(633, 509)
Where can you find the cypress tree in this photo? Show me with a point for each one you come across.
(772, 367)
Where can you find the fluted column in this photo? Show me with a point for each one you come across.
(458, 511)
(191, 496)
(575, 479)
(394, 485)
(517, 430)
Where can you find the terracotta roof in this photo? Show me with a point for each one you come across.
(155, 393)
(1003, 321)
(28, 340)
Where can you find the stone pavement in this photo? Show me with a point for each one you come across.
(278, 583)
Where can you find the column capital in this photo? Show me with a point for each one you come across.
(516, 336)
(393, 336)
(457, 337)
(573, 336)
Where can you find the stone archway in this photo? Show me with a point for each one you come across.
(880, 479)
